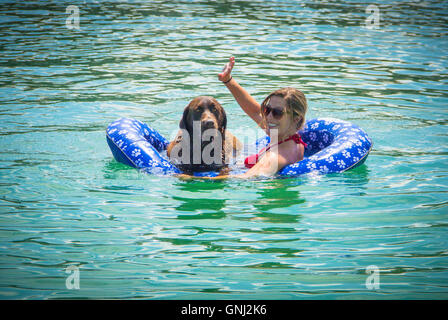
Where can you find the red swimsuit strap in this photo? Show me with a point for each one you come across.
(250, 161)
(296, 137)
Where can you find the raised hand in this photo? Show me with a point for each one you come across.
(225, 76)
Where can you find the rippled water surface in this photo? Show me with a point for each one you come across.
(65, 201)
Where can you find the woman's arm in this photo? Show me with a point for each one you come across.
(244, 99)
(271, 163)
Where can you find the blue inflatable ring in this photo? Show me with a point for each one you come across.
(332, 146)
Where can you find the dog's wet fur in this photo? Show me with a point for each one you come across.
(211, 115)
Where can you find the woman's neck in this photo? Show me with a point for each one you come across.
(286, 135)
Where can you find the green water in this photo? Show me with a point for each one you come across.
(65, 201)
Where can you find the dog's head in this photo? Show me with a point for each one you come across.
(209, 114)
(208, 111)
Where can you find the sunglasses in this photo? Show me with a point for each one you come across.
(276, 113)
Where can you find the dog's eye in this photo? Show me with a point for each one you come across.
(212, 108)
(199, 109)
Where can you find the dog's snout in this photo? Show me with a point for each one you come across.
(208, 121)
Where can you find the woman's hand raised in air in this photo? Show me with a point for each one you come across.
(244, 99)
(225, 76)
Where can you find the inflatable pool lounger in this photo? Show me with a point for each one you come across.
(333, 146)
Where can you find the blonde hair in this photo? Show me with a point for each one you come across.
(295, 102)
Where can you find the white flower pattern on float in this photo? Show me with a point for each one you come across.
(341, 163)
(311, 165)
(136, 152)
(346, 154)
(138, 163)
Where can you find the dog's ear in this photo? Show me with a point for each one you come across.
(224, 120)
(183, 124)
(222, 115)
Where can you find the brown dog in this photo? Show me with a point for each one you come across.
(203, 143)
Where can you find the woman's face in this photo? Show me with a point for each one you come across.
(285, 124)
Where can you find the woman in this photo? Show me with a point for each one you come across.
(280, 115)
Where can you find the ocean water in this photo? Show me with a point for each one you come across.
(66, 203)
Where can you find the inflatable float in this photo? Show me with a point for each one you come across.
(333, 146)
